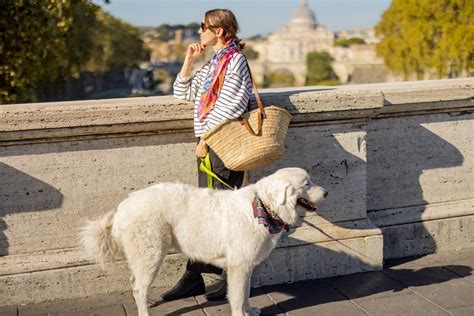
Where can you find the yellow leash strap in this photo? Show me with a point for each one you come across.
(205, 167)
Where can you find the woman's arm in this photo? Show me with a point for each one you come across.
(193, 51)
(185, 87)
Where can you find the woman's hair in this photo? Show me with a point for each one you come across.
(226, 20)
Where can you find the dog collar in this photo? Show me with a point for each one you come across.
(268, 217)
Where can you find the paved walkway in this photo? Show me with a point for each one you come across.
(440, 284)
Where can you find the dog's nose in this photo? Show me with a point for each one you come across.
(326, 193)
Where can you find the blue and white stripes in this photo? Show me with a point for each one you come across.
(233, 98)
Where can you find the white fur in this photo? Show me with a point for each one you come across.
(216, 227)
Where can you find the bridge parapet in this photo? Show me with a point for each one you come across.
(397, 159)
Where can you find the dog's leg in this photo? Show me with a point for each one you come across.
(249, 309)
(144, 270)
(238, 279)
(145, 254)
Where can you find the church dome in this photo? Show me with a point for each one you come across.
(304, 17)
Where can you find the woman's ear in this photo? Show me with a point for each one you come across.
(220, 32)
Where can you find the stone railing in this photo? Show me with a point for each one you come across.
(397, 159)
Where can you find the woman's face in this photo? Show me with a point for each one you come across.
(208, 34)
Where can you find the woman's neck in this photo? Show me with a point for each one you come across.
(219, 45)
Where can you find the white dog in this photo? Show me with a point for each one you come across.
(234, 230)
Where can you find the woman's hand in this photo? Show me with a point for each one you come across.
(194, 50)
(201, 149)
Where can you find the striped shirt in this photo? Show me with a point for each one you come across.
(233, 98)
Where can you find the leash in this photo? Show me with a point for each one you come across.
(205, 167)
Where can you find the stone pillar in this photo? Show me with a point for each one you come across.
(339, 239)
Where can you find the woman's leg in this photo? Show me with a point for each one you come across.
(192, 283)
(234, 179)
(231, 177)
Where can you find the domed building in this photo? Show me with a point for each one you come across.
(285, 51)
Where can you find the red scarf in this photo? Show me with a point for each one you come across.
(213, 84)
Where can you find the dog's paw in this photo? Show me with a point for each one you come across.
(254, 311)
(152, 303)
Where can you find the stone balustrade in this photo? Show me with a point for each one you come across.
(397, 159)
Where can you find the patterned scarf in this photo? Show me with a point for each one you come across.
(267, 217)
(213, 84)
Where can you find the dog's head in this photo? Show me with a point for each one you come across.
(290, 193)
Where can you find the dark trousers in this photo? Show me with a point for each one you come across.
(232, 178)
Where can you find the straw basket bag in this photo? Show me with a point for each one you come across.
(253, 141)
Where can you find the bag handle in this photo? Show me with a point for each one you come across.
(261, 114)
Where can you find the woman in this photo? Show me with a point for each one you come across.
(221, 91)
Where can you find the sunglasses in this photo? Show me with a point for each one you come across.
(204, 27)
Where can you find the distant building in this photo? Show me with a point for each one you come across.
(173, 47)
(358, 64)
(368, 35)
(285, 51)
(283, 54)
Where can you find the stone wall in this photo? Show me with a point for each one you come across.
(396, 158)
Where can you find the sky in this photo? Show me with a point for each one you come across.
(254, 16)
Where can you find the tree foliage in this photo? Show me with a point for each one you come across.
(349, 41)
(279, 78)
(320, 71)
(433, 38)
(167, 32)
(257, 37)
(46, 41)
(250, 53)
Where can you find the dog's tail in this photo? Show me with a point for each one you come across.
(97, 241)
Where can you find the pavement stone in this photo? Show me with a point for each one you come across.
(421, 277)
(213, 308)
(463, 311)
(453, 293)
(464, 268)
(311, 298)
(258, 299)
(366, 285)
(115, 310)
(404, 304)
(187, 306)
(70, 306)
(9, 311)
(438, 284)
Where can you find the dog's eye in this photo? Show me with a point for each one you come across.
(306, 183)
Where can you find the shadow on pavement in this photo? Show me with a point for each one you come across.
(299, 295)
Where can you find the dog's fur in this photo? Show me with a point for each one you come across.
(216, 227)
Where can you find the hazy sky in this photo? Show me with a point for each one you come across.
(254, 16)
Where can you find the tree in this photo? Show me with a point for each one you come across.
(43, 42)
(193, 26)
(117, 44)
(320, 71)
(250, 53)
(279, 78)
(31, 39)
(257, 37)
(165, 33)
(350, 41)
(433, 38)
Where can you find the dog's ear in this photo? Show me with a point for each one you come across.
(280, 196)
(281, 190)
